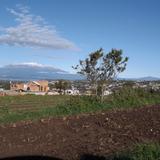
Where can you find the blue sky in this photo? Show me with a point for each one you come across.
(71, 29)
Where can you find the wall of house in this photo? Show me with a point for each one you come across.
(17, 86)
(33, 87)
(43, 85)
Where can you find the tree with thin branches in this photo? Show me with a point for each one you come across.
(100, 68)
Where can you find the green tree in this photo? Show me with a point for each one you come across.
(90, 68)
(100, 68)
(5, 85)
(62, 85)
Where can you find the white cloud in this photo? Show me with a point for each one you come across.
(32, 31)
(33, 64)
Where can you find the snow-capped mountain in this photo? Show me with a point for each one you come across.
(34, 71)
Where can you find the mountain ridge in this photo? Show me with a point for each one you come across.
(35, 71)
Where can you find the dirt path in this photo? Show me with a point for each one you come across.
(71, 137)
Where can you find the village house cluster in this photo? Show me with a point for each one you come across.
(40, 87)
(43, 87)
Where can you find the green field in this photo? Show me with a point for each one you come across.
(30, 102)
(15, 108)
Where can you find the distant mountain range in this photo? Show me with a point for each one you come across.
(148, 78)
(35, 71)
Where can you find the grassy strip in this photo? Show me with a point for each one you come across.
(31, 100)
(65, 105)
(140, 152)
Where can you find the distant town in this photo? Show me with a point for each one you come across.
(66, 87)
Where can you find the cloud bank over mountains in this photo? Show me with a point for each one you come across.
(34, 71)
(33, 66)
(32, 31)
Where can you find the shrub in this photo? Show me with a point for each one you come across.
(130, 97)
(141, 152)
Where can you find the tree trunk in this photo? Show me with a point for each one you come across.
(96, 89)
(60, 91)
(102, 92)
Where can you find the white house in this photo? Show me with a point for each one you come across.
(72, 92)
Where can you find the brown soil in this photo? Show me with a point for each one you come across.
(70, 137)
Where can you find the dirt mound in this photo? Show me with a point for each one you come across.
(70, 137)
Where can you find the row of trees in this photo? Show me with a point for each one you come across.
(5, 85)
(61, 85)
(100, 68)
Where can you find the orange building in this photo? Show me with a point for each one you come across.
(38, 86)
(17, 86)
(34, 86)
